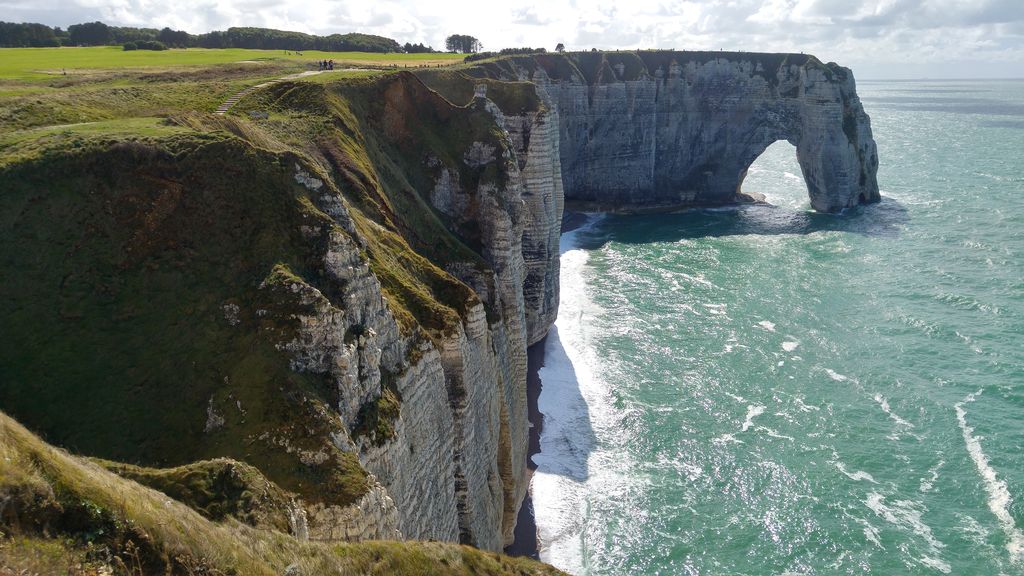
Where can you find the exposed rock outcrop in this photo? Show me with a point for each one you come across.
(373, 517)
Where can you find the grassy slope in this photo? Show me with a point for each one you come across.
(218, 489)
(458, 87)
(65, 514)
(117, 338)
(107, 83)
(122, 95)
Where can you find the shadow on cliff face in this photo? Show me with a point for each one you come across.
(884, 219)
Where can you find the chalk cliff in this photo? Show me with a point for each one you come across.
(340, 289)
(655, 130)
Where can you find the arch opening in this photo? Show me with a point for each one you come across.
(777, 175)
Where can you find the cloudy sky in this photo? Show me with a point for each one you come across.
(878, 38)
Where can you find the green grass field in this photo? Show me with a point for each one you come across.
(97, 89)
(44, 63)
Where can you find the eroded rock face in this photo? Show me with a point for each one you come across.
(417, 465)
(661, 133)
(520, 221)
(485, 362)
(354, 339)
(535, 139)
(672, 129)
(455, 467)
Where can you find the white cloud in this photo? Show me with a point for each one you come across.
(875, 37)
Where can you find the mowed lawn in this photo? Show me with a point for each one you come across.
(37, 63)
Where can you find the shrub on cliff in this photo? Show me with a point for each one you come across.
(479, 56)
(218, 489)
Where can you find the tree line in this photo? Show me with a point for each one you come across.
(13, 35)
(33, 35)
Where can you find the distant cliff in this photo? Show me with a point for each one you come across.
(659, 129)
(339, 288)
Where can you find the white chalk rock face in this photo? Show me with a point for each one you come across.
(535, 138)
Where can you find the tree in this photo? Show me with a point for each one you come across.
(123, 34)
(151, 45)
(176, 38)
(462, 43)
(417, 48)
(99, 34)
(560, 47)
(91, 34)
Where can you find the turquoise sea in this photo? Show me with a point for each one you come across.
(767, 390)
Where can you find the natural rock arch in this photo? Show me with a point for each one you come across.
(645, 131)
(778, 154)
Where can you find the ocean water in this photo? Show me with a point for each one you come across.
(766, 390)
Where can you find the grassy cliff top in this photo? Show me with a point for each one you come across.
(43, 64)
(66, 514)
(69, 89)
(458, 87)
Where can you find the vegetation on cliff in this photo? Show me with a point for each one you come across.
(64, 514)
(218, 489)
(134, 327)
(385, 141)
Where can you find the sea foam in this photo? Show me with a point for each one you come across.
(752, 412)
(999, 498)
(907, 515)
(570, 401)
